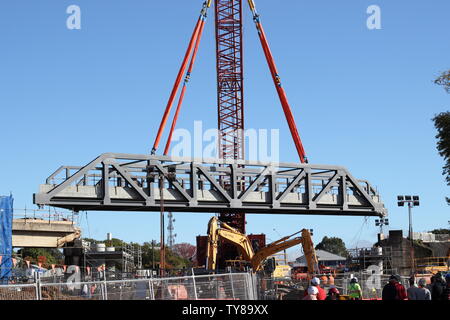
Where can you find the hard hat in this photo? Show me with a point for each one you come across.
(315, 281)
(333, 290)
(354, 280)
(312, 290)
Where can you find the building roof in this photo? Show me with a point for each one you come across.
(321, 256)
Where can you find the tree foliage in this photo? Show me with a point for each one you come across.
(333, 245)
(45, 256)
(442, 124)
(441, 231)
(444, 80)
(185, 250)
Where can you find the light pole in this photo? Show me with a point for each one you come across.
(412, 201)
(381, 222)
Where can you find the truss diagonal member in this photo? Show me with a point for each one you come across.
(362, 192)
(255, 183)
(215, 184)
(291, 186)
(72, 179)
(331, 183)
(133, 184)
(174, 183)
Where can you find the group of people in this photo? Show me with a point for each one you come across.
(316, 292)
(438, 289)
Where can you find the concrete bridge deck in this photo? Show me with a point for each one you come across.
(38, 233)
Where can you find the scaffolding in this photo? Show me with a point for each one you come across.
(363, 258)
(117, 262)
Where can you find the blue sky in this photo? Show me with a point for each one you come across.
(362, 98)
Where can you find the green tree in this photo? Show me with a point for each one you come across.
(441, 231)
(442, 124)
(51, 256)
(444, 80)
(333, 245)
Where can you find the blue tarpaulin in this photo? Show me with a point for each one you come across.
(6, 217)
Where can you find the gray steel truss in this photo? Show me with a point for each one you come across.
(126, 182)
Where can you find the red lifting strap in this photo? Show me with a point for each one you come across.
(183, 91)
(280, 90)
(176, 85)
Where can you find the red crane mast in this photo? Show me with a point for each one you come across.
(230, 89)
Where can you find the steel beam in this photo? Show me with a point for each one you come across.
(126, 182)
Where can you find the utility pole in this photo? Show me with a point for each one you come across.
(162, 249)
(171, 237)
(153, 255)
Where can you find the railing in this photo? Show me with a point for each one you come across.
(230, 286)
(47, 215)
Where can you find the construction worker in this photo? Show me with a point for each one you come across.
(394, 290)
(412, 290)
(354, 290)
(447, 288)
(311, 293)
(438, 286)
(418, 292)
(331, 280)
(321, 295)
(333, 294)
(424, 293)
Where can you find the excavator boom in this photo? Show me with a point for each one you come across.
(217, 230)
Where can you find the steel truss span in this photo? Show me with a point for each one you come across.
(126, 182)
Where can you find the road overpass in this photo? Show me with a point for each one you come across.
(39, 233)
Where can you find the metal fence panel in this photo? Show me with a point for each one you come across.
(231, 286)
(19, 292)
(72, 291)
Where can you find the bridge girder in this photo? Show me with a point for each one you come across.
(126, 182)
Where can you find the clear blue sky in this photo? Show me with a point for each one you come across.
(362, 98)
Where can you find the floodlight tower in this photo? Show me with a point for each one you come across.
(412, 201)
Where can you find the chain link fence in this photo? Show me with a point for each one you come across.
(371, 284)
(19, 292)
(230, 286)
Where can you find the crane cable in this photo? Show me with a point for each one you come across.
(198, 28)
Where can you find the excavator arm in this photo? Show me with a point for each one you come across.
(231, 235)
(271, 249)
(310, 252)
(285, 243)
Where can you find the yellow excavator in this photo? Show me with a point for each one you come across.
(221, 231)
